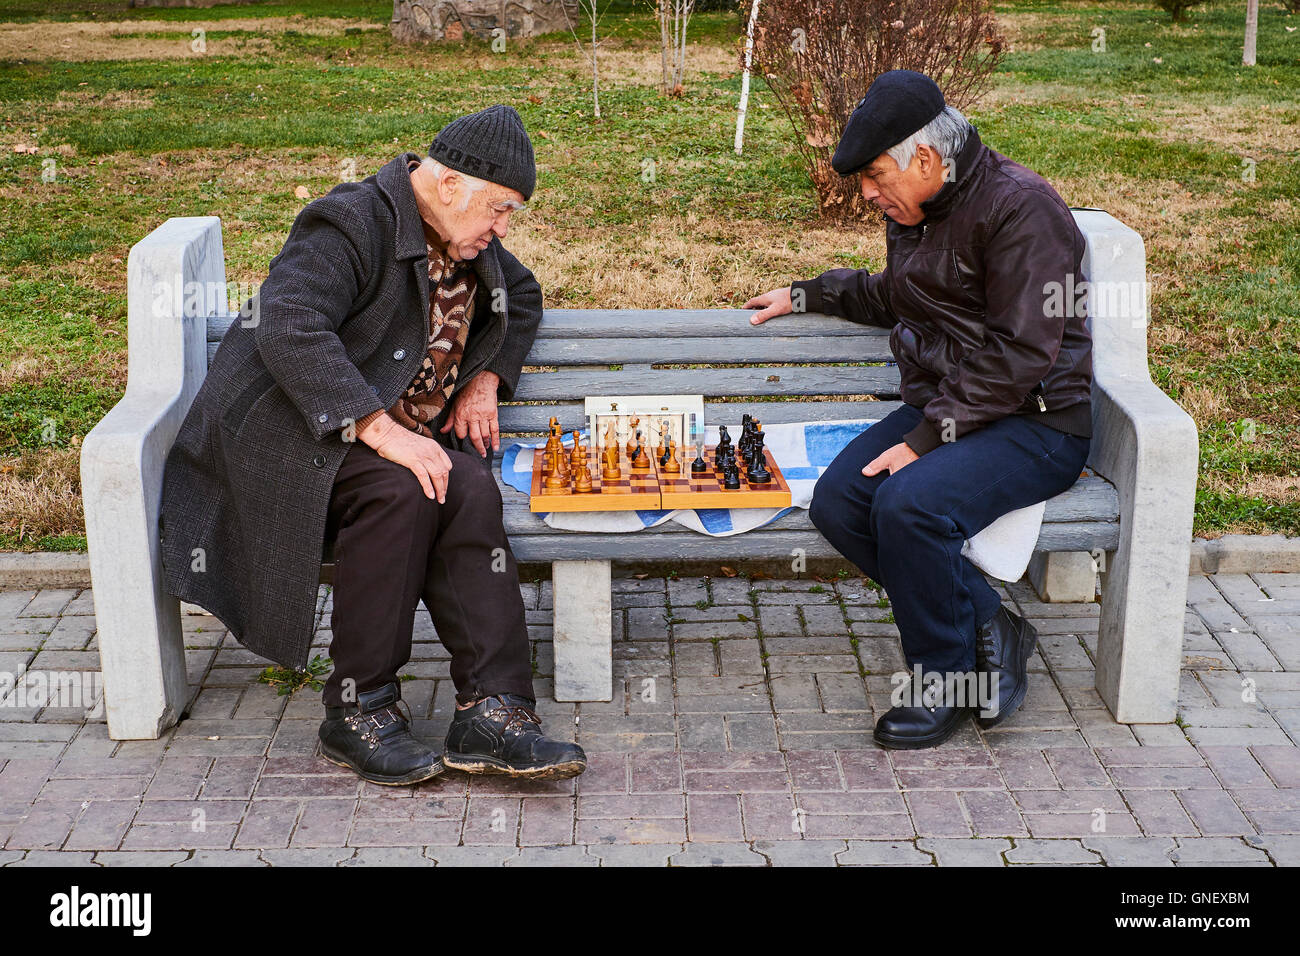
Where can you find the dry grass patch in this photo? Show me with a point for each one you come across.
(40, 493)
(673, 262)
(128, 39)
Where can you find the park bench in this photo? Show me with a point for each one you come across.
(1129, 516)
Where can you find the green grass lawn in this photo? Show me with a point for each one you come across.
(1155, 130)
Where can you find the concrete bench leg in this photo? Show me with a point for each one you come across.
(582, 633)
(1060, 576)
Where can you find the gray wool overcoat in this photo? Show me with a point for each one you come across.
(338, 330)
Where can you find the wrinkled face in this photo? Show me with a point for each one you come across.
(898, 193)
(470, 218)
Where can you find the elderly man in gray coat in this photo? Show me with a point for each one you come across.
(355, 406)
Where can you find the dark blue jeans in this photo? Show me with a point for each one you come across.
(906, 530)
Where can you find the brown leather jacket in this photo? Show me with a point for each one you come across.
(977, 332)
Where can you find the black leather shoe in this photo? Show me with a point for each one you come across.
(374, 739)
(1002, 649)
(503, 735)
(915, 728)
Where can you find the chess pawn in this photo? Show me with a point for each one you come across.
(583, 484)
(578, 455)
(731, 477)
(633, 439)
(672, 465)
(699, 465)
(639, 459)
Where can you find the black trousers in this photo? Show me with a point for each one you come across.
(394, 546)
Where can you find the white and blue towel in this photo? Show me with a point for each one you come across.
(803, 452)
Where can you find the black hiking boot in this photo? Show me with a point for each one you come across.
(502, 734)
(374, 739)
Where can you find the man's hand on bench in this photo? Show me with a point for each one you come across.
(774, 303)
(426, 458)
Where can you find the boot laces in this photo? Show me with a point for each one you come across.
(381, 723)
(515, 716)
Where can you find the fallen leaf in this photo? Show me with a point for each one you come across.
(302, 193)
(729, 572)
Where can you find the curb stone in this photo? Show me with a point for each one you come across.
(1232, 553)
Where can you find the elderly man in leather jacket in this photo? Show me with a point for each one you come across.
(996, 385)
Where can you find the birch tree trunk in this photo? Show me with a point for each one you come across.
(595, 82)
(1252, 30)
(744, 81)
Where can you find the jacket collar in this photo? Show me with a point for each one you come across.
(394, 179)
(954, 191)
(395, 183)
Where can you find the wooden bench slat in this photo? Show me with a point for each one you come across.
(669, 323)
(535, 418)
(691, 323)
(1089, 500)
(670, 546)
(783, 380)
(711, 349)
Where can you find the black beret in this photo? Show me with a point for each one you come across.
(897, 104)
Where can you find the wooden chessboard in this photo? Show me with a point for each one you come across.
(652, 489)
(705, 490)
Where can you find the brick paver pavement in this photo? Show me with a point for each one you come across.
(739, 734)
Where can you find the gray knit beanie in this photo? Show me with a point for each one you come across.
(491, 144)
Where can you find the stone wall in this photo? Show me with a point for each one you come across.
(418, 21)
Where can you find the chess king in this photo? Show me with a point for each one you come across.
(359, 407)
(996, 389)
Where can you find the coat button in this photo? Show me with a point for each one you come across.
(399, 354)
(319, 461)
(375, 389)
(323, 419)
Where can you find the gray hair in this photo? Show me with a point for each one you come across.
(473, 183)
(946, 134)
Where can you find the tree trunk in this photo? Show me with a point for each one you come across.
(1252, 29)
(744, 80)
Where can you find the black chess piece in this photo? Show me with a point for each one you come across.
(758, 473)
(731, 476)
(723, 452)
(699, 464)
(746, 436)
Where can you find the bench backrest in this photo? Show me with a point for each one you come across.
(770, 371)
